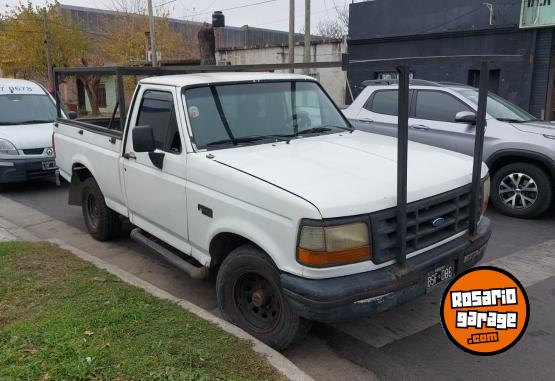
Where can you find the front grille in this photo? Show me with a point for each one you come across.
(453, 207)
(33, 151)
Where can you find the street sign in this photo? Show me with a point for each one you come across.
(537, 13)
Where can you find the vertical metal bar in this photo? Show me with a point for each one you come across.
(121, 99)
(402, 162)
(479, 147)
(57, 95)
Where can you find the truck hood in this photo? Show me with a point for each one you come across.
(539, 127)
(350, 174)
(28, 136)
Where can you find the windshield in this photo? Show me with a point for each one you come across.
(26, 109)
(500, 108)
(252, 112)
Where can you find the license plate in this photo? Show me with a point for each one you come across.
(440, 275)
(48, 165)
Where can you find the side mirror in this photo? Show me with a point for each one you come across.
(72, 115)
(143, 139)
(466, 117)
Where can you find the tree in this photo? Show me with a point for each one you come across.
(22, 40)
(336, 27)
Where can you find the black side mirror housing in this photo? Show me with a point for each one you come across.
(72, 115)
(143, 139)
(466, 117)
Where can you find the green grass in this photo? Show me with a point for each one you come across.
(63, 319)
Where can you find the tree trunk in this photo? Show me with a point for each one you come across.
(207, 45)
(91, 82)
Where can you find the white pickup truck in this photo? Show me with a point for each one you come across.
(260, 178)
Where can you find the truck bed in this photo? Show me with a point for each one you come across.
(89, 144)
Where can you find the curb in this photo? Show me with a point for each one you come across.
(276, 359)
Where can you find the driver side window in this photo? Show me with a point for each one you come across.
(157, 110)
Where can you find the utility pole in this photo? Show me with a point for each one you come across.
(307, 33)
(292, 33)
(154, 56)
(48, 53)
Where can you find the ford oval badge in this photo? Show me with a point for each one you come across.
(438, 222)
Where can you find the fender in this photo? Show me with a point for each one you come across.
(545, 160)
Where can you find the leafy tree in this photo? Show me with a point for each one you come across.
(22, 43)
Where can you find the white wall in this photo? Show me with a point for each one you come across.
(333, 79)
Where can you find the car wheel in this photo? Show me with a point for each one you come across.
(521, 190)
(102, 223)
(250, 296)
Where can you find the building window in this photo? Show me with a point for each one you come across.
(494, 79)
(100, 91)
(391, 75)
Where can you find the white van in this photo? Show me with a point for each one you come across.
(27, 113)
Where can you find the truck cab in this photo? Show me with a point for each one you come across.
(260, 178)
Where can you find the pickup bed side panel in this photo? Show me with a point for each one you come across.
(99, 153)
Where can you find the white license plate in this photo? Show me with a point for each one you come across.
(440, 275)
(48, 165)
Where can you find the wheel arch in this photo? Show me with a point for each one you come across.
(79, 173)
(223, 243)
(505, 157)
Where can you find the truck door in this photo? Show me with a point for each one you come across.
(156, 198)
(434, 117)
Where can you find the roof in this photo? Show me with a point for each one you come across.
(19, 86)
(221, 77)
(414, 82)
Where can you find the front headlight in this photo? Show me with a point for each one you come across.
(7, 148)
(486, 189)
(326, 246)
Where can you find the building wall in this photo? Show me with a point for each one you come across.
(453, 28)
(332, 79)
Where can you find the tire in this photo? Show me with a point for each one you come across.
(521, 190)
(102, 223)
(250, 296)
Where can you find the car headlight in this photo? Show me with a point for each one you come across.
(486, 189)
(7, 148)
(326, 246)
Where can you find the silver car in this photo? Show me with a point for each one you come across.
(519, 149)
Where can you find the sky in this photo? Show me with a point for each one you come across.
(271, 14)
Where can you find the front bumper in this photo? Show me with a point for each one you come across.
(359, 295)
(19, 170)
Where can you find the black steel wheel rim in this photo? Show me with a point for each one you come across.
(258, 302)
(93, 213)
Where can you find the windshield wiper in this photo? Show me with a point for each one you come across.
(37, 121)
(251, 139)
(317, 130)
(511, 120)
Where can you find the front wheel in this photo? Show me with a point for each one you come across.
(250, 296)
(102, 223)
(521, 190)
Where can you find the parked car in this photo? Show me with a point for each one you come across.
(260, 178)
(27, 113)
(518, 149)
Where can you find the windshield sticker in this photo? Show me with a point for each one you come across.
(194, 112)
(6, 89)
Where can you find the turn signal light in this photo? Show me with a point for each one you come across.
(333, 258)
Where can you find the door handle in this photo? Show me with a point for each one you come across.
(420, 127)
(129, 156)
(366, 120)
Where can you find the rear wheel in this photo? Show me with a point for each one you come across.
(102, 222)
(521, 190)
(250, 296)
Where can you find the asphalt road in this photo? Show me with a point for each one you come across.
(408, 342)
